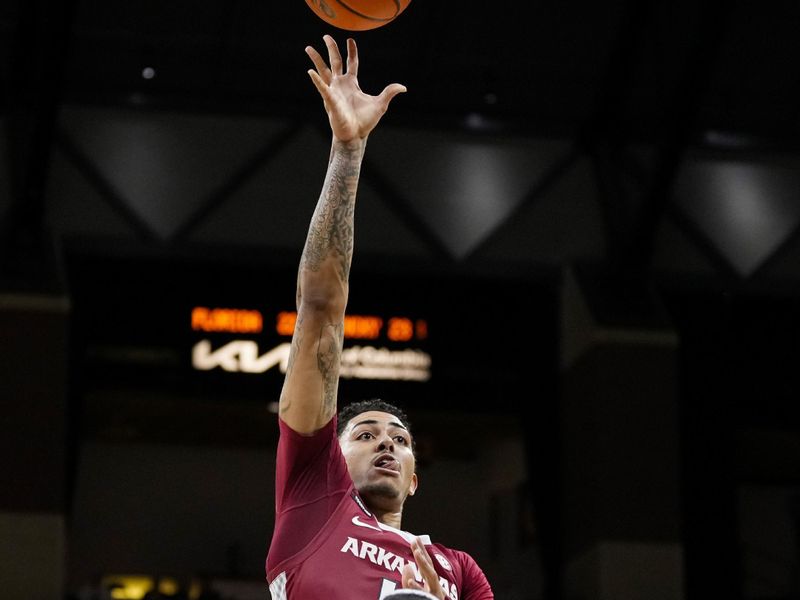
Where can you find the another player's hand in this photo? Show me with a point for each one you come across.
(430, 579)
(352, 113)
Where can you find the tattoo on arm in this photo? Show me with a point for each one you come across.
(331, 230)
(297, 341)
(330, 240)
(328, 359)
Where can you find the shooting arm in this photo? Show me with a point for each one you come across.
(308, 399)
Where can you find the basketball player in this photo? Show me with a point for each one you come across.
(341, 483)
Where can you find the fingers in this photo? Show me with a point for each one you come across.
(423, 560)
(408, 579)
(390, 91)
(341, 92)
(334, 58)
(426, 569)
(352, 57)
(319, 64)
(320, 84)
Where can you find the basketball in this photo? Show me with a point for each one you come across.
(358, 15)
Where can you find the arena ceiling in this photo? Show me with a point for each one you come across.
(642, 136)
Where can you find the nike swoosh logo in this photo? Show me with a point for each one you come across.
(357, 521)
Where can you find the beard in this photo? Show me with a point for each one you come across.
(382, 490)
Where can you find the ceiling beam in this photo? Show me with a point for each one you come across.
(681, 124)
(39, 50)
(686, 39)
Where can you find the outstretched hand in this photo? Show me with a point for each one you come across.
(351, 112)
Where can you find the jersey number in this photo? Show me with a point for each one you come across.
(387, 587)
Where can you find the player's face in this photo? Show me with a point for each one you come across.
(377, 448)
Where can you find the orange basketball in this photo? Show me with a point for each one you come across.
(358, 15)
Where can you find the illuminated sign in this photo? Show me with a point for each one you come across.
(398, 329)
(399, 362)
(239, 356)
(220, 330)
(367, 362)
(231, 320)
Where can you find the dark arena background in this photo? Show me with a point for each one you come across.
(577, 267)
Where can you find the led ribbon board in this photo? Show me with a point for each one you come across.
(375, 347)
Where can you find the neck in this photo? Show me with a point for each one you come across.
(390, 518)
(385, 505)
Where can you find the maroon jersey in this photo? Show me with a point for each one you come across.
(327, 544)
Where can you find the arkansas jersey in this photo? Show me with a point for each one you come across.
(327, 544)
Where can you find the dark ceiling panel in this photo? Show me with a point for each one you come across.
(754, 87)
(543, 64)
(165, 166)
(462, 189)
(783, 265)
(76, 208)
(274, 207)
(610, 73)
(677, 252)
(534, 62)
(746, 209)
(561, 225)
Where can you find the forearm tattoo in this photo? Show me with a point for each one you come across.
(331, 338)
(330, 234)
(330, 241)
(328, 357)
(297, 341)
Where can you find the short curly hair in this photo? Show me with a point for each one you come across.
(354, 409)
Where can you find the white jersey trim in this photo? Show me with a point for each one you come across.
(277, 588)
(408, 537)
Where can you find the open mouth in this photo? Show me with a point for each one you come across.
(387, 462)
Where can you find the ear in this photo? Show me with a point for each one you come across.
(414, 484)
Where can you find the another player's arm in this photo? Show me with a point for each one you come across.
(308, 399)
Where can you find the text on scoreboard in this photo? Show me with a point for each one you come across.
(375, 347)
